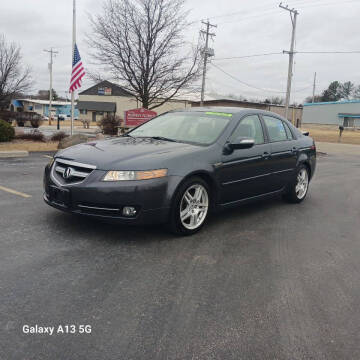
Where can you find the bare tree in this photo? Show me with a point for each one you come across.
(141, 43)
(14, 78)
(276, 100)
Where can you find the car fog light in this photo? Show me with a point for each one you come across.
(129, 211)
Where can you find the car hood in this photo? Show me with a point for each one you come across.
(127, 153)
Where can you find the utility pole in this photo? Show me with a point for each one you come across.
(51, 52)
(207, 53)
(313, 97)
(293, 15)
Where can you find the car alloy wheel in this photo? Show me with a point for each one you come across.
(190, 207)
(296, 190)
(302, 183)
(194, 206)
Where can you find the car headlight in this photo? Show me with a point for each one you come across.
(134, 175)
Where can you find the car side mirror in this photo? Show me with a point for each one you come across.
(305, 133)
(238, 143)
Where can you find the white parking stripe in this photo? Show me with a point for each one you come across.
(11, 191)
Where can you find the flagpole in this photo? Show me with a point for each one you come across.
(72, 57)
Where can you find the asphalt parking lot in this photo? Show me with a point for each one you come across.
(266, 281)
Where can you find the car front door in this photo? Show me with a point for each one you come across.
(283, 151)
(244, 172)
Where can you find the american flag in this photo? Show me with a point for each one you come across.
(77, 71)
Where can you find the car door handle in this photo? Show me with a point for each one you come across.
(266, 155)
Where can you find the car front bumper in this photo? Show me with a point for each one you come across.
(105, 200)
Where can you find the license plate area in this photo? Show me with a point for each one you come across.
(59, 196)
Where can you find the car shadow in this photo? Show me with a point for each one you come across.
(81, 226)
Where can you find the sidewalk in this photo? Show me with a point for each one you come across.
(338, 148)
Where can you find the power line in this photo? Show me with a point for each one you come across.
(234, 13)
(249, 56)
(267, 11)
(255, 87)
(328, 52)
(282, 52)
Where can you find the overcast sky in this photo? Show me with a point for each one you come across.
(245, 27)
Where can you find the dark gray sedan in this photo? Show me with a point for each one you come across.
(181, 165)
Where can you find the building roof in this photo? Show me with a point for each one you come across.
(17, 103)
(116, 90)
(333, 102)
(234, 102)
(341, 115)
(96, 106)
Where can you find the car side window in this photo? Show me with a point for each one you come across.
(276, 129)
(288, 131)
(249, 127)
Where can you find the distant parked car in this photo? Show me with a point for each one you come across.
(181, 165)
(69, 117)
(62, 117)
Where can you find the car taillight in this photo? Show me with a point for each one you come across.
(313, 147)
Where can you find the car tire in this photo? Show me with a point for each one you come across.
(298, 188)
(190, 207)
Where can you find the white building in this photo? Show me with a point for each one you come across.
(41, 107)
(345, 113)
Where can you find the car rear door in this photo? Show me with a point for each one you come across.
(244, 173)
(283, 151)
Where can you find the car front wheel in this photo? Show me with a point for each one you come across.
(190, 207)
(299, 187)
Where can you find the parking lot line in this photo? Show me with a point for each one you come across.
(48, 156)
(11, 191)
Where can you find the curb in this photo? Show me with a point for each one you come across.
(13, 153)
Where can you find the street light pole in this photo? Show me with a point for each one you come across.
(51, 52)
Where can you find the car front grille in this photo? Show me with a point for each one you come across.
(67, 172)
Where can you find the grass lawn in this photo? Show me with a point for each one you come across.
(330, 133)
(29, 145)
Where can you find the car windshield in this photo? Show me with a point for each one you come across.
(192, 127)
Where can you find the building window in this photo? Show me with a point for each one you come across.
(99, 113)
(83, 111)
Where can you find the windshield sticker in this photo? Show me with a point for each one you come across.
(218, 113)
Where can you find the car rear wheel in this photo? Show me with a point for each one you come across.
(190, 207)
(299, 187)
